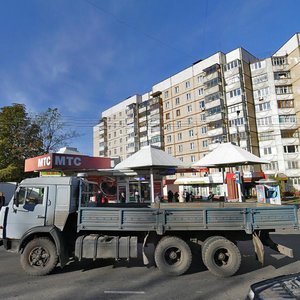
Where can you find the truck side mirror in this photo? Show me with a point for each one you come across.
(16, 199)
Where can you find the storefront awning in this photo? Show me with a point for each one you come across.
(204, 180)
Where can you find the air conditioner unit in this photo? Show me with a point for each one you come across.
(260, 98)
(202, 108)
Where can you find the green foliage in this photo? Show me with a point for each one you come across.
(19, 139)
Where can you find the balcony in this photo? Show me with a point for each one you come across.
(215, 131)
(214, 89)
(214, 103)
(216, 117)
(234, 100)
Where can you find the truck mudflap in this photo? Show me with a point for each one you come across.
(261, 239)
(98, 246)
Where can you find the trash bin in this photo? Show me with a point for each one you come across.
(268, 191)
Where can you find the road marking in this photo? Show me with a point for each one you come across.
(125, 292)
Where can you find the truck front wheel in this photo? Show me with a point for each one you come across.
(221, 256)
(39, 257)
(173, 256)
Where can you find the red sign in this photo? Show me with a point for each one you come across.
(58, 161)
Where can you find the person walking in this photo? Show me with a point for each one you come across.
(170, 196)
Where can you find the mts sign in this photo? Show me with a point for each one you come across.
(56, 160)
(61, 161)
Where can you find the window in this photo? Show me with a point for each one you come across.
(177, 112)
(273, 165)
(279, 61)
(188, 96)
(176, 89)
(203, 130)
(262, 106)
(214, 110)
(282, 75)
(191, 133)
(232, 64)
(212, 97)
(178, 124)
(261, 93)
(193, 158)
(258, 65)
(285, 103)
(192, 146)
(180, 148)
(267, 150)
(189, 108)
(179, 136)
(202, 117)
(177, 101)
(202, 105)
(259, 79)
(264, 121)
(168, 127)
(169, 139)
(286, 134)
(168, 116)
(205, 143)
(200, 79)
(292, 164)
(30, 196)
(190, 121)
(200, 91)
(283, 89)
(290, 149)
(169, 150)
(235, 93)
(167, 104)
(212, 83)
(166, 94)
(287, 119)
(187, 84)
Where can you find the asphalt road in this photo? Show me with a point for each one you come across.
(110, 280)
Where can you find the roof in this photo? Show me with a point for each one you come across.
(149, 156)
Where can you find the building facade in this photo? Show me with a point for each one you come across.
(232, 97)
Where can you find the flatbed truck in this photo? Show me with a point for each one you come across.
(50, 220)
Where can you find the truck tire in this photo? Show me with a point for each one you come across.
(222, 257)
(39, 257)
(205, 244)
(173, 256)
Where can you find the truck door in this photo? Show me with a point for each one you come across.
(28, 211)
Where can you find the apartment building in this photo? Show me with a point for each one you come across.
(233, 97)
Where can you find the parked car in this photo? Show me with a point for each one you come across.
(281, 287)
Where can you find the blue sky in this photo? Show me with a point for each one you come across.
(83, 56)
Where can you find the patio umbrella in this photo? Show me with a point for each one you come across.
(149, 157)
(229, 155)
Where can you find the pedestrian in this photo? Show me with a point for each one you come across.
(122, 197)
(170, 196)
(136, 196)
(176, 197)
(187, 197)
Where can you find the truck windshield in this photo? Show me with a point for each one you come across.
(89, 193)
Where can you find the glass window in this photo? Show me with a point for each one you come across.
(31, 196)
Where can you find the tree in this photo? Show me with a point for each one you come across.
(19, 139)
(52, 130)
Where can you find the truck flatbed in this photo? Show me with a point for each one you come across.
(201, 216)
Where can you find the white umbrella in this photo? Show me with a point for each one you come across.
(229, 155)
(149, 157)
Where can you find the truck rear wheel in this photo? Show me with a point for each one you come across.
(173, 256)
(222, 257)
(205, 244)
(39, 257)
